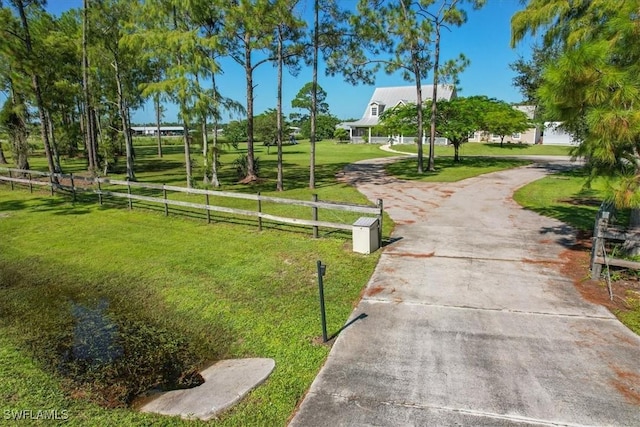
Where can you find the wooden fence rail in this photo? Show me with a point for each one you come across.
(69, 182)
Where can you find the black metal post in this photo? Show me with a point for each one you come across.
(323, 317)
(380, 217)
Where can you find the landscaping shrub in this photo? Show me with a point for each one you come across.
(241, 163)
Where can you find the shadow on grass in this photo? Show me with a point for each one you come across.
(508, 146)
(58, 206)
(12, 205)
(406, 169)
(294, 177)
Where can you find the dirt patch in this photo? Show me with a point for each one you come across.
(405, 222)
(582, 201)
(374, 290)
(628, 384)
(412, 255)
(575, 265)
(546, 263)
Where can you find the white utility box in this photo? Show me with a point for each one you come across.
(365, 235)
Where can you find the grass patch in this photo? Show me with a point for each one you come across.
(566, 197)
(449, 171)
(215, 291)
(173, 294)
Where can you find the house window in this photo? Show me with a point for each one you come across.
(374, 110)
(516, 136)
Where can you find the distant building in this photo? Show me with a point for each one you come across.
(553, 134)
(152, 130)
(384, 98)
(531, 136)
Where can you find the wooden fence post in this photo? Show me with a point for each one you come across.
(164, 196)
(73, 188)
(597, 244)
(30, 184)
(99, 193)
(10, 182)
(129, 193)
(315, 217)
(51, 183)
(259, 212)
(206, 196)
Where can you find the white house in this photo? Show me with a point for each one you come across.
(384, 98)
(555, 135)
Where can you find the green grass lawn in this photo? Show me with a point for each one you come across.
(566, 197)
(176, 285)
(225, 290)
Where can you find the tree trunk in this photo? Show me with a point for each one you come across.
(205, 149)
(158, 107)
(3, 159)
(54, 145)
(251, 168)
(35, 82)
(434, 104)
(279, 182)
(18, 137)
(420, 118)
(124, 119)
(314, 95)
(214, 157)
(187, 151)
(90, 134)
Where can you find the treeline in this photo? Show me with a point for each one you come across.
(78, 76)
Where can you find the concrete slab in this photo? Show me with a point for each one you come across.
(469, 320)
(435, 364)
(226, 383)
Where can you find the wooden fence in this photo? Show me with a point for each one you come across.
(602, 232)
(105, 187)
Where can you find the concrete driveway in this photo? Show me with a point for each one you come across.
(470, 322)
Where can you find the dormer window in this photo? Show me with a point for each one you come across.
(376, 109)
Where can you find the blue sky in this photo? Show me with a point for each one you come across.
(484, 39)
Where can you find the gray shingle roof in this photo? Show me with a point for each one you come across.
(392, 96)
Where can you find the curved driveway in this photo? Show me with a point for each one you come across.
(470, 322)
